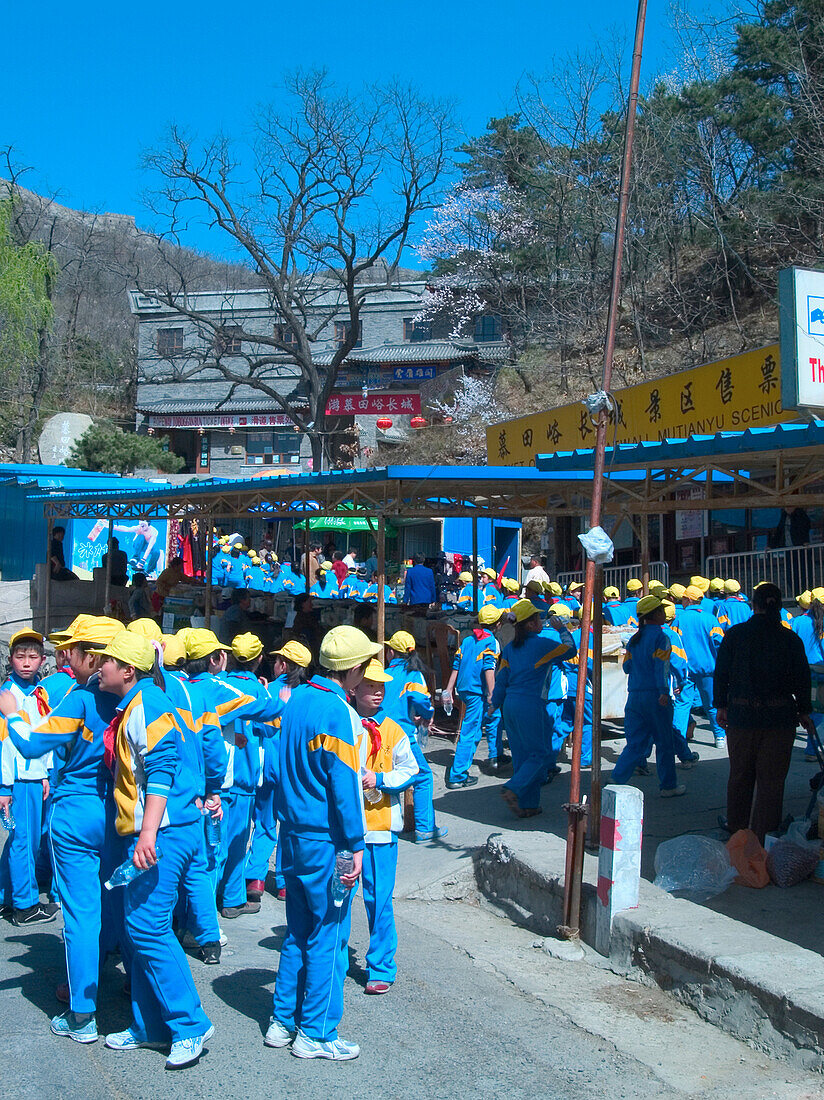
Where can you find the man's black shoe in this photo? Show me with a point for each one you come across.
(470, 781)
(35, 914)
(210, 953)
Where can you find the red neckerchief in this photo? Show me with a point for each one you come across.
(68, 671)
(480, 633)
(42, 700)
(373, 729)
(109, 738)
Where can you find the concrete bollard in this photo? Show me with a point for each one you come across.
(619, 859)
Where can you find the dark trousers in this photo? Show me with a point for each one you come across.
(759, 762)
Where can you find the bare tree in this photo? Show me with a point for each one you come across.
(320, 205)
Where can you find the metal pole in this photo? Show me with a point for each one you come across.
(645, 553)
(576, 809)
(107, 591)
(474, 565)
(381, 580)
(207, 557)
(597, 674)
(47, 596)
(307, 571)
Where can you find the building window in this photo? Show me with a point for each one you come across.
(272, 448)
(487, 328)
(228, 340)
(342, 330)
(287, 336)
(415, 331)
(169, 342)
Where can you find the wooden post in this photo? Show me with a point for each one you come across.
(107, 591)
(594, 824)
(47, 594)
(207, 557)
(307, 572)
(381, 580)
(644, 519)
(474, 565)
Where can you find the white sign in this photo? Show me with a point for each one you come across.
(801, 314)
(215, 420)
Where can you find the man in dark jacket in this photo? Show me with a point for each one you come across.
(419, 587)
(762, 691)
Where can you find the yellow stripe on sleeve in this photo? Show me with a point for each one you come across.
(157, 730)
(346, 753)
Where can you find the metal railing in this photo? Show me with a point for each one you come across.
(794, 569)
(618, 575)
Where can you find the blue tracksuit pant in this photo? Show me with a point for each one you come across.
(18, 862)
(645, 721)
(164, 998)
(314, 957)
(703, 685)
(422, 786)
(196, 909)
(681, 710)
(380, 863)
(530, 742)
(230, 871)
(493, 731)
(85, 851)
(470, 735)
(264, 837)
(568, 720)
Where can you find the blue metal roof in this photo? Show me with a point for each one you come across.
(680, 452)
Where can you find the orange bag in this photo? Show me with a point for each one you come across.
(748, 858)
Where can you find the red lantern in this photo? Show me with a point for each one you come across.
(447, 420)
(384, 423)
(418, 422)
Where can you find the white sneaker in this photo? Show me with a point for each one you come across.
(278, 1034)
(188, 1050)
(127, 1040)
(335, 1049)
(224, 939)
(674, 792)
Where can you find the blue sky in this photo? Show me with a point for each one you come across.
(90, 86)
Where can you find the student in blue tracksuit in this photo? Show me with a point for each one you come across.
(612, 606)
(570, 597)
(682, 691)
(734, 607)
(289, 664)
(810, 629)
(326, 586)
(534, 591)
(702, 637)
(649, 705)
(466, 593)
(24, 787)
(370, 594)
(81, 822)
(155, 795)
(525, 663)
(408, 703)
(204, 752)
(389, 769)
(473, 675)
(566, 722)
(320, 813)
(629, 610)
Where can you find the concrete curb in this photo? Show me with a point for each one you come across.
(763, 990)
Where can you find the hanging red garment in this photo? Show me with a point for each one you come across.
(186, 554)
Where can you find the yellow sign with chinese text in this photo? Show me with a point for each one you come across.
(732, 394)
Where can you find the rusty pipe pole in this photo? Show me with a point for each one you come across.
(575, 808)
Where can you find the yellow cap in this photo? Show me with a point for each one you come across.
(669, 610)
(25, 636)
(132, 649)
(560, 611)
(375, 673)
(717, 584)
(573, 586)
(523, 610)
(295, 652)
(146, 628)
(174, 650)
(647, 604)
(465, 577)
(96, 632)
(818, 594)
(611, 593)
(657, 586)
(555, 588)
(201, 642)
(489, 615)
(327, 565)
(511, 585)
(255, 559)
(732, 587)
(804, 600)
(535, 586)
(634, 585)
(677, 590)
(58, 637)
(402, 642)
(694, 593)
(700, 582)
(345, 647)
(487, 572)
(246, 647)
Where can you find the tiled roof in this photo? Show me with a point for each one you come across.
(423, 351)
(171, 406)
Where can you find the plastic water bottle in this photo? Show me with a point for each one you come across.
(7, 819)
(446, 701)
(212, 828)
(422, 734)
(344, 865)
(373, 795)
(126, 873)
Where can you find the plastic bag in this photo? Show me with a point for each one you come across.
(797, 834)
(598, 545)
(748, 858)
(788, 864)
(693, 865)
